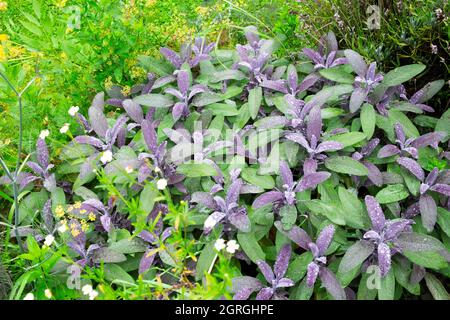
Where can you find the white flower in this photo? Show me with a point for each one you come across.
(161, 184)
(93, 294)
(44, 134)
(210, 222)
(49, 240)
(157, 170)
(48, 293)
(129, 169)
(29, 296)
(219, 244)
(64, 128)
(87, 289)
(232, 246)
(106, 157)
(62, 228)
(73, 110)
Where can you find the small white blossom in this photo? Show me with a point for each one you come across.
(129, 169)
(161, 184)
(62, 228)
(64, 128)
(73, 110)
(29, 296)
(232, 246)
(106, 157)
(219, 244)
(87, 289)
(48, 293)
(93, 294)
(49, 240)
(44, 134)
(157, 170)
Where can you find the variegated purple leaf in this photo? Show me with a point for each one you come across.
(399, 132)
(147, 260)
(312, 180)
(324, 239)
(243, 294)
(106, 222)
(357, 62)
(417, 274)
(395, 227)
(329, 146)
(178, 110)
(286, 174)
(266, 198)
(36, 168)
(298, 138)
(203, 198)
(213, 219)
(295, 234)
(432, 176)
(357, 98)
(240, 220)
(429, 139)
(312, 273)
(276, 85)
(42, 154)
(282, 262)
(245, 282)
(376, 215)
(441, 188)
(331, 284)
(285, 283)
(97, 119)
(314, 127)
(265, 294)
(172, 57)
(388, 151)
(375, 174)
(148, 237)
(309, 166)
(89, 140)
(183, 82)
(412, 166)
(266, 271)
(428, 211)
(26, 179)
(134, 110)
(308, 82)
(233, 192)
(384, 258)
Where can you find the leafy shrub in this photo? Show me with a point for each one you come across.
(225, 163)
(409, 32)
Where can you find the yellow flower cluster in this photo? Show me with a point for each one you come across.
(126, 90)
(60, 3)
(77, 224)
(108, 83)
(3, 5)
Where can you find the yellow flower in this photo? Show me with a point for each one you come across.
(61, 3)
(77, 205)
(3, 36)
(83, 211)
(59, 211)
(75, 232)
(91, 216)
(126, 91)
(2, 54)
(3, 5)
(69, 208)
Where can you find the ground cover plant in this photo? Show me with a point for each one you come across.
(234, 173)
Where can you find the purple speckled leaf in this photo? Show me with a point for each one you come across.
(147, 260)
(412, 166)
(243, 294)
(183, 82)
(47, 216)
(441, 188)
(357, 62)
(106, 222)
(36, 168)
(312, 273)
(376, 215)
(286, 174)
(357, 98)
(265, 294)
(149, 133)
(276, 85)
(89, 140)
(428, 211)
(245, 282)
(134, 110)
(240, 220)
(112, 134)
(42, 153)
(309, 166)
(95, 204)
(375, 174)
(417, 274)
(329, 146)
(213, 219)
(97, 118)
(266, 270)
(285, 283)
(432, 176)
(324, 238)
(282, 262)
(312, 180)
(314, 127)
(332, 285)
(298, 138)
(395, 227)
(384, 258)
(203, 198)
(399, 132)
(267, 198)
(370, 146)
(429, 139)
(388, 151)
(178, 110)
(148, 237)
(308, 82)
(296, 234)
(233, 192)
(172, 56)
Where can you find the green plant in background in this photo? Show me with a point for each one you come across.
(410, 31)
